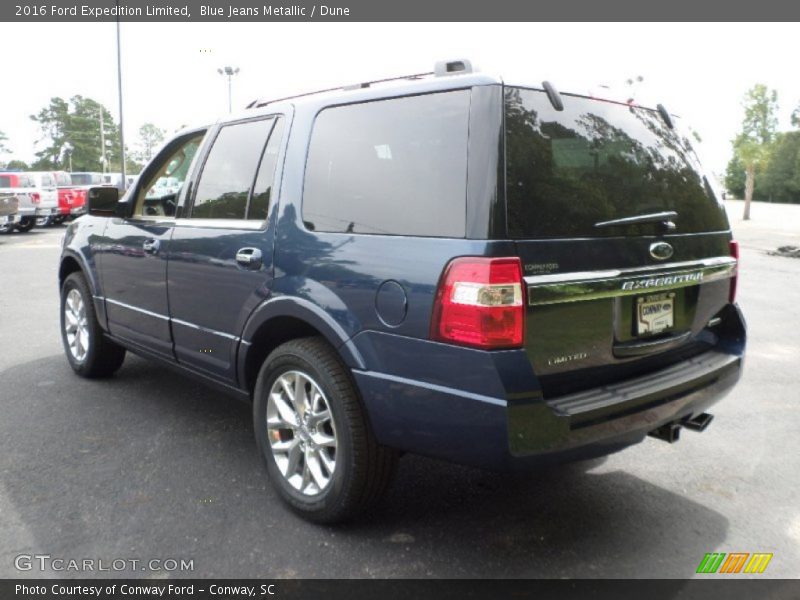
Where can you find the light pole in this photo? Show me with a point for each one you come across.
(119, 92)
(229, 72)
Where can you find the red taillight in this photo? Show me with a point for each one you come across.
(734, 250)
(480, 302)
(35, 197)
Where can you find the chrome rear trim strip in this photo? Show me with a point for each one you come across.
(595, 285)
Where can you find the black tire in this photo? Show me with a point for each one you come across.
(26, 224)
(363, 468)
(7, 228)
(102, 357)
(44, 221)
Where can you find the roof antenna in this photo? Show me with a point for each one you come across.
(553, 95)
(665, 115)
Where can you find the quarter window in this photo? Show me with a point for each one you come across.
(263, 190)
(230, 170)
(394, 166)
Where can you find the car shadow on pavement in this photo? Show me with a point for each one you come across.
(151, 464)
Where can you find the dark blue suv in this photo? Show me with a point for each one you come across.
(446, 264)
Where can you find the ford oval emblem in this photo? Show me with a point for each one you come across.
(661, 250)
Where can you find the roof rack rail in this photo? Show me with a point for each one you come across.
(441, 68)
(258, 103)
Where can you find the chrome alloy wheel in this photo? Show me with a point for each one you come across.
(301, 432)
(75, 326)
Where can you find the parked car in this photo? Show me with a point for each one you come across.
(114, 179)
(81, 182)
(487, 272)
(69, 205)
(9, 212)
(48, 211)
(28, 196)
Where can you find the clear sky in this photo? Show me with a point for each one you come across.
(699, 71)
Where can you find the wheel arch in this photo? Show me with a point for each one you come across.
(282, 319)
(72, 262)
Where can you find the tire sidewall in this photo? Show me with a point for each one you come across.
(76, 282)
(276, 365)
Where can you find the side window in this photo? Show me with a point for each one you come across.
(262, 191)
(394, 166)
(229, 171)
(158, 195)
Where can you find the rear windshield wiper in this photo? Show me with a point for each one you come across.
(665, 217)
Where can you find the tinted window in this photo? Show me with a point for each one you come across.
(392, 166)
(5, 181)
(62, 179)
(597, 161)
(81, 178)
(229, 171)
(262, 191)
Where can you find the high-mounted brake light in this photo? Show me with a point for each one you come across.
(734, 250)
(480, 303)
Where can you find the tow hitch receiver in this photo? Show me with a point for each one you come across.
(671, 432)
(699, 423)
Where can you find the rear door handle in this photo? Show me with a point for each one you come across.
(249, 258)
(151, 246)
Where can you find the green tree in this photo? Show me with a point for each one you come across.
(150, 138)
(781, 176)
(751, 145)
(17, 165)
(85, 126)
(796, 116)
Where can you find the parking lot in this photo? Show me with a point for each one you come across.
(149, 465)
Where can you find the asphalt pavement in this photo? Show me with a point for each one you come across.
(150, 465)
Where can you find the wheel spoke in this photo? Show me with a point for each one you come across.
(285, 412)
(312, 459)
(320, 417)
(306, 473)
(295, 453)
(323, 439)
(327, 462)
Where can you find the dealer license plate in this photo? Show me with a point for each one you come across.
(655, 314)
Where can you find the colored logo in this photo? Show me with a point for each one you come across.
(734, 562)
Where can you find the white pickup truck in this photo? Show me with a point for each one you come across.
(47, 212)
(9, 212)
(31, 204)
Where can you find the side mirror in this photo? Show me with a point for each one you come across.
(102, 201)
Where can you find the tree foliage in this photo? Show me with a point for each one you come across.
(150, 138)
(752, 145)
(3, 148)
(777, 177)
(17, 165)
(73, 128)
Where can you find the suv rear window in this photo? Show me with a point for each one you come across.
(394, 167)
(5, 181)
(597, 161)
(82, 179)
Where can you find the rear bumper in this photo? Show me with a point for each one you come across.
(47, 211)
(517, 434)
(7, 219)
